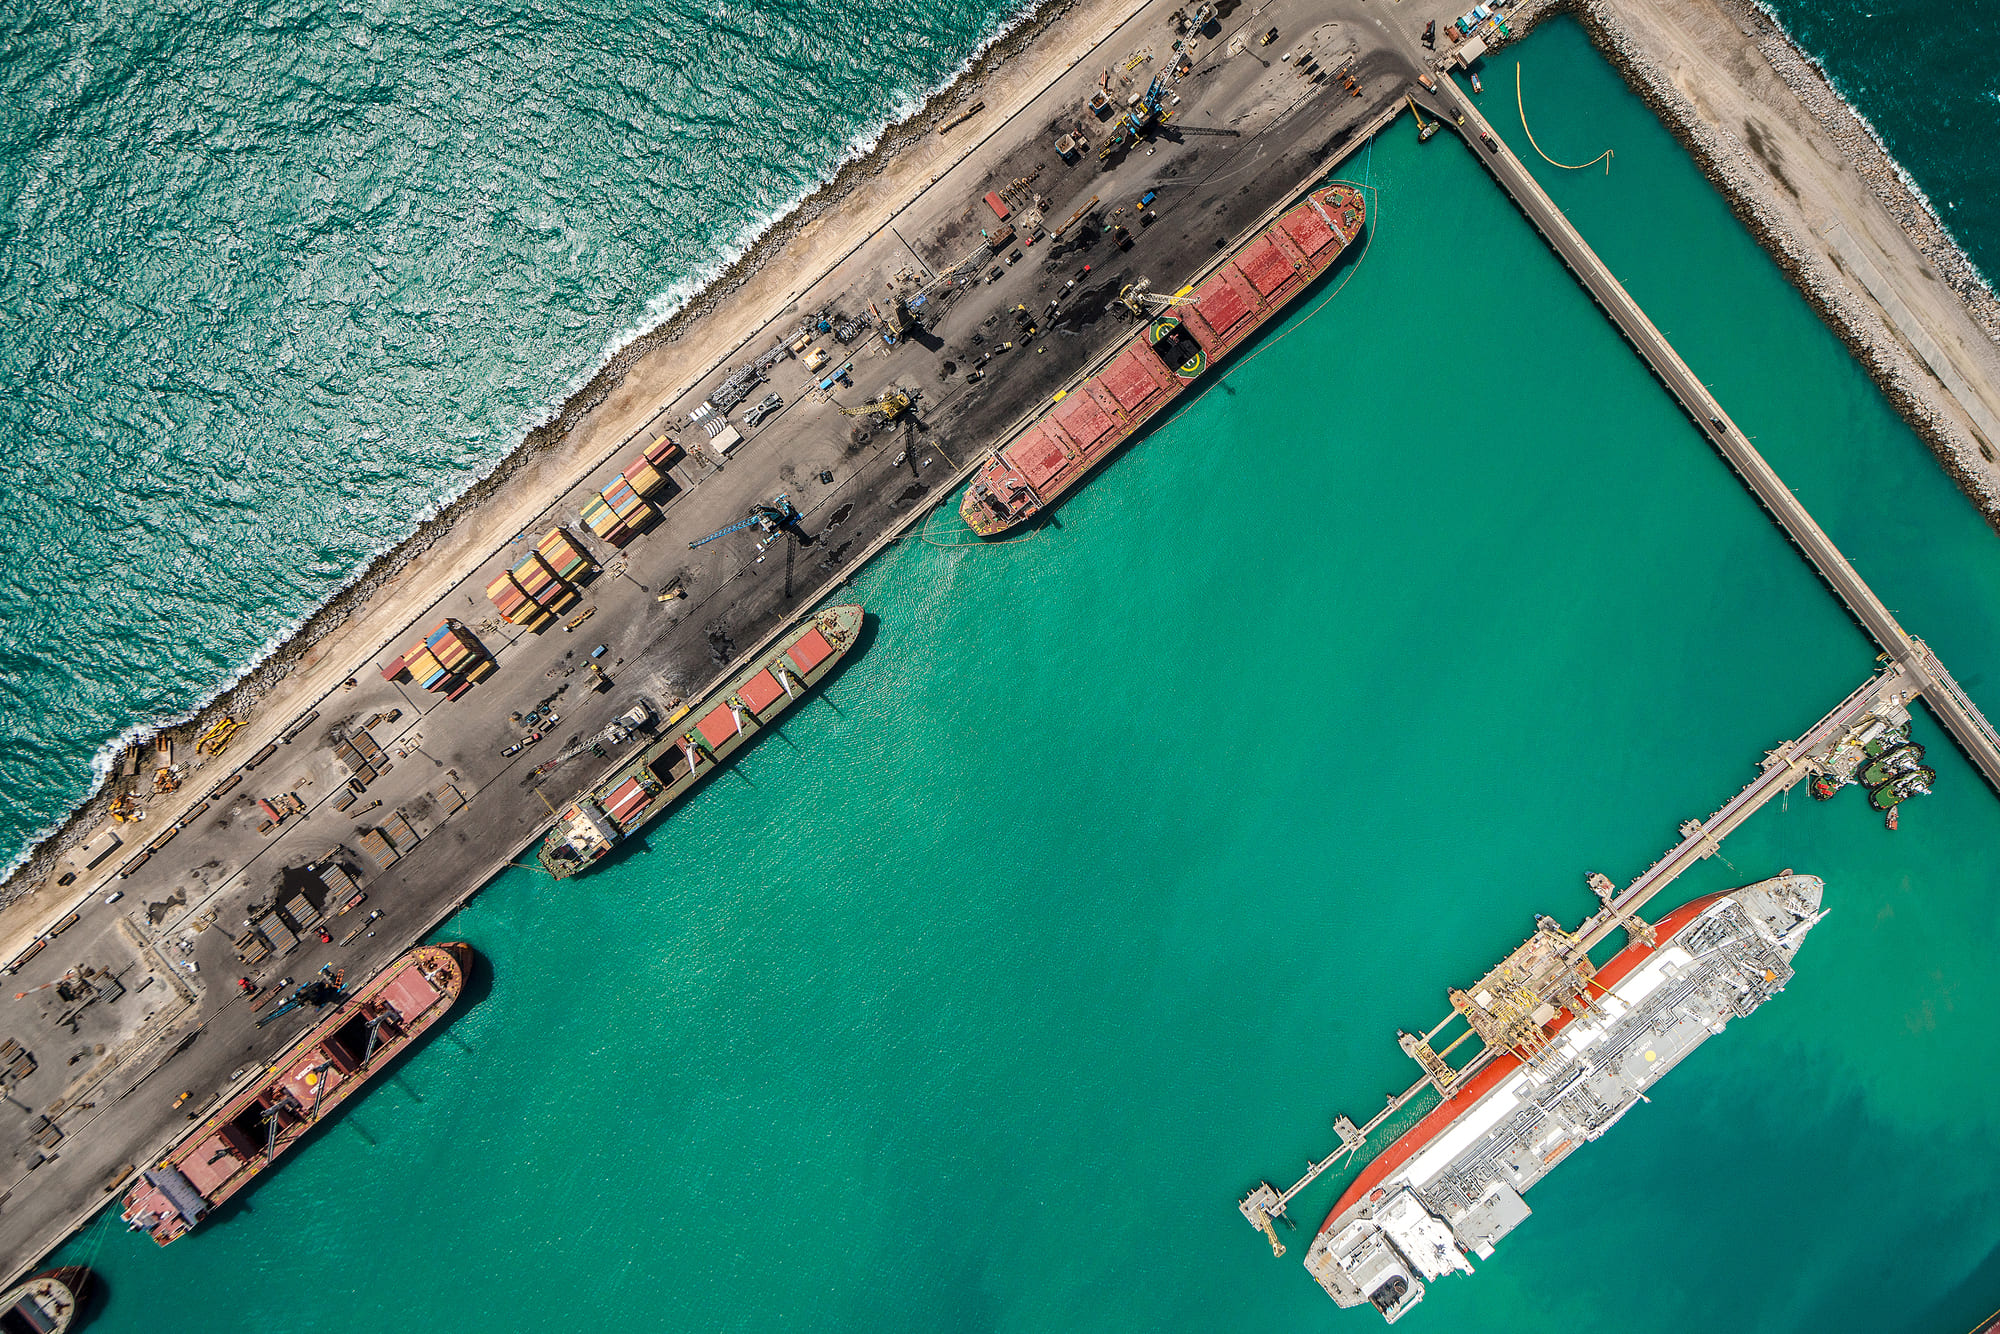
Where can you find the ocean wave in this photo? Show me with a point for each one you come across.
(1903, 176)
(234, 422)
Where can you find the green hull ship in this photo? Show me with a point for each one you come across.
(639, 791)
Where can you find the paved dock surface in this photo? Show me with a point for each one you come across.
(165, 1017)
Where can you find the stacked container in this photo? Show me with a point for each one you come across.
(516, 607)
(448, 659)
(643, 477)
(662, 454)
(562, 556)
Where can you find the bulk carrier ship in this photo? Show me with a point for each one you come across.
(309, 1079)
(1451, 1186)
(1083, 426)
(640, 790)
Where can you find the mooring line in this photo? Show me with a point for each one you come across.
(1604, 157)
(1368, 239)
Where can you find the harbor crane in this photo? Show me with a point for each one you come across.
(1425, 128)
(1138, 296)
(772, 517)
(1145, 109)
(319, 993)
(893, 404)
(611, 733)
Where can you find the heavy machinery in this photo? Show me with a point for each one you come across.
(779, 514)
(1141, 300)
(215, 738)
(319, 993)
(893, 404)
(1425, 128)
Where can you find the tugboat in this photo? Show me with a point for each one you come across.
(45, 1303)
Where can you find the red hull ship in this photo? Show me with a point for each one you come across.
(1084, 426)
(310, 1078)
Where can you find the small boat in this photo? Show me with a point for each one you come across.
(1477, 87)
(1893, 812)
(47, 1302)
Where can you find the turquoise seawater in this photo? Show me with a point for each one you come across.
(1102, 879)
(278, 280)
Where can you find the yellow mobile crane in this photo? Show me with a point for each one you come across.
(1137, 295)
(893, 404)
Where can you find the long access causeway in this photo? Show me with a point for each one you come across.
(1911, 670)
(1960, 717)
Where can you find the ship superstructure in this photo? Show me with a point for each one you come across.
(640, 790)
(1085, 425)
(44, 1303)
(1577, 1057)
(311, 1077)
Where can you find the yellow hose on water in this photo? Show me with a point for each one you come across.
(1604, 157)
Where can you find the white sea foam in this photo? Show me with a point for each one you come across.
(1908, 181)
(660, 308)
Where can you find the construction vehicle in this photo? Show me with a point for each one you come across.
(1425, 128)
(1143, 111)
(893, 404)
(1141, 300)
(215, 738)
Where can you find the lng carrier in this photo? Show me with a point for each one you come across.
(318, 1072)
(1084, 425)
(640, 790)
(1576, 1048)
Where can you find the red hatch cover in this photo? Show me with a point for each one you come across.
(759, 691)
(811, 650)
(410, 993)
(1221, 305)
(1129, 380)
(1307, 230)
(1036, 457)
(719, 726)
(205, 1175)
(1085, 422)
(1265, 265)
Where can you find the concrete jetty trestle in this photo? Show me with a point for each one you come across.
(1959, 716)
(1507, 1009)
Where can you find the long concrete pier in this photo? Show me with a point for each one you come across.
(1959, 716)
(1912, 670)
(1884, 695)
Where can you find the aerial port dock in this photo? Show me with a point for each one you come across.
(348, 825)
